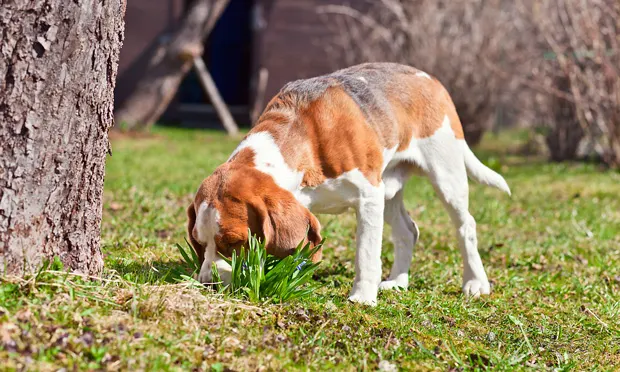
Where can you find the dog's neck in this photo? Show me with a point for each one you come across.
(268, 158)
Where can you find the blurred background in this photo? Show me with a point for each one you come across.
(549, 68)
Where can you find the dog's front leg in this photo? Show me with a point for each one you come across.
(205, 275)
(368, 239)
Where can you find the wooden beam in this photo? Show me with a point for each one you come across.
(259, 98)
(211, 89)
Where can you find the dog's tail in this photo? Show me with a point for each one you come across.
(482, 173)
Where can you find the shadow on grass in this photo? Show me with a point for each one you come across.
(150, 272)
(332, 268)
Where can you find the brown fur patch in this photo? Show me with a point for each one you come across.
(420, 105)
(329, 136)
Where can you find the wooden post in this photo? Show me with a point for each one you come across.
(259, 99)
(211, 89)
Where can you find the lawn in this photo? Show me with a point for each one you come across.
(552, 252)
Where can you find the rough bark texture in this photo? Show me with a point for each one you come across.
(58, 63)
(168, 66)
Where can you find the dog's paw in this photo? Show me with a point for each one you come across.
(206, 276)
(364, 292)
(476, 287)
(363, 299)
(396, 285)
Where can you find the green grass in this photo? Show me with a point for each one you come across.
(258, 276)
(552, 252)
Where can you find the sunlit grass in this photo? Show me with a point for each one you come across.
(552, 252)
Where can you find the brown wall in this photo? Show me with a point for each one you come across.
(145, 20)
(294, 43)
(292, 46)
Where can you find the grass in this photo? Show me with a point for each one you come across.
(552, 252)
(258, 276)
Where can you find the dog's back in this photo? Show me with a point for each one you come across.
(357, 113)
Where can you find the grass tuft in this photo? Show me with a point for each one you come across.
(258, 276)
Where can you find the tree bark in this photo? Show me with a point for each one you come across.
(169, 65)
(58, 64)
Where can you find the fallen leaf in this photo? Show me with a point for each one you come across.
(114, 206)
(163, 234)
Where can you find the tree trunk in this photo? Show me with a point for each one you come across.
(58, 63)
(169, 65)
(566, 133)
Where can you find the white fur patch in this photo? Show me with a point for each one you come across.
(420, 150)
(423, 74)
(392, 183)
(206, 228)
(268, 159)
(388, 154)
(363, 79)
(394, 180)
(353, 190)
(225, 270)
(336, 195)
(369, 234)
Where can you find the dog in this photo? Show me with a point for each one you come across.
(349, 139)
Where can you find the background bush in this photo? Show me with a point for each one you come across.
(552, 66)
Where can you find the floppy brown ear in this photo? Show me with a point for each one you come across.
(314, 235)
(283, 223)
(314, 230)
(191, 221)
(259, 221)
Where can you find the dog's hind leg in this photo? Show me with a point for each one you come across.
(404, 236)
(449, 177)
(452, 190)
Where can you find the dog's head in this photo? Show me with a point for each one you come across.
(234, 199)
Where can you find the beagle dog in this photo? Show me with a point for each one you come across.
(350, 139)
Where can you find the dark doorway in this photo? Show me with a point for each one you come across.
(228, 56)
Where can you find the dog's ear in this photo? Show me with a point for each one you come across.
(314, 235)
(314, 229)
(259, 221)
(282, 222)
(191, 221)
